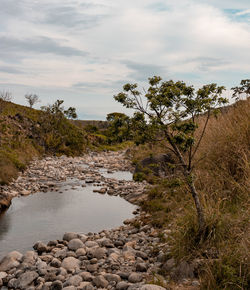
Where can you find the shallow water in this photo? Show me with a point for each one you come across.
(47, 216)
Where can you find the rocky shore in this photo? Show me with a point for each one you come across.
(127, 257)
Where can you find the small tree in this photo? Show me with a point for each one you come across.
(32, 99)
(172, 109)
(244, 88)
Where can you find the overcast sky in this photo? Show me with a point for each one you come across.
(84, 51)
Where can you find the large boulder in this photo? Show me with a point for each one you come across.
(160, 165)
(5, 201)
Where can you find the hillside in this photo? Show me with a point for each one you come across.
(26, 133)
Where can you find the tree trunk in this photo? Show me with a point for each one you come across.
(199, 209)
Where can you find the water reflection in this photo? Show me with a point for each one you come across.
(46, 216)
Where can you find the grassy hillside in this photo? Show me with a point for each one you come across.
(223, 182)
(26, 133)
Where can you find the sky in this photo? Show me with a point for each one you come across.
(83, 52)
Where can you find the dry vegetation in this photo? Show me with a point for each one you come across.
(26, 133)
(222, 172)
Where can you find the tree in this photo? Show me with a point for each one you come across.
(119, 127)
(172, 110)
(32, 99)
(58, 110)
(243, 89)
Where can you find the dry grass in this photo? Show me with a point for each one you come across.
(222, 179)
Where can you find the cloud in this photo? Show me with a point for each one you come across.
(244, 12)
(142, 71)
(37, 45)
(10, 70)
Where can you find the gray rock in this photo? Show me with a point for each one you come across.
(80, 252)
(122, 285)
(55, 263)
(91, 244)
(73, 280)
(1, 282)
(70, 264)
(141, 267)
(97, 252)
(112, 277)
(56, 285)
(10, 261)
(135, 277)
(61, 253)
(86, 286)
(75, 244)
(142, 255)
(70, 236)
(92, 268)
(100, 282)
(40, 247)
(69, 288)
(151, 287)
(3, 275)
(169, 264)
(26, 279)
(86, 276)
(183, 271)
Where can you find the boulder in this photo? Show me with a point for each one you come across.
(135, 277)
(158, 165)
(70, 236)
(10, 261)
(26, 279)
(100, 282)
(70, 263)
(5, 202)
(75, 244)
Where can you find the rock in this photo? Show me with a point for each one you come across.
(80, 252)
(69, 288)
(135, 277)
(122, 285)
(75, 244)
(91, 244)
(86, 286)
(141, 267)
(70, 263)
(105, 242)
(26, 279)
(10, 261)
(83, 237)
(169, 264)
(56, 285)
(112, 277)
(74, 281)
(86, 276)
(1, 283)
(151, 287)
(142, 255)
(92, 268)
(30, 258)
(5, 201)
(158, 165)
(97, 252)
(55, 263)
(100, 282)
(3, 275)
(70, 236)
(40, 247)
(183, 271)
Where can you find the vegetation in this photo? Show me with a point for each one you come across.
(32, 99)
(172, 109)
(222, 175)
(25, 133)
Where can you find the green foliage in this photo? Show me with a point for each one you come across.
(119, 128)
(244, 88)
(172, 110)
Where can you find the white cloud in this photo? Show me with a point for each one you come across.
(75, 48)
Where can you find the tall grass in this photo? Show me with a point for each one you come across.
(222, 173)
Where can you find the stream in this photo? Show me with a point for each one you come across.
(47, 216)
